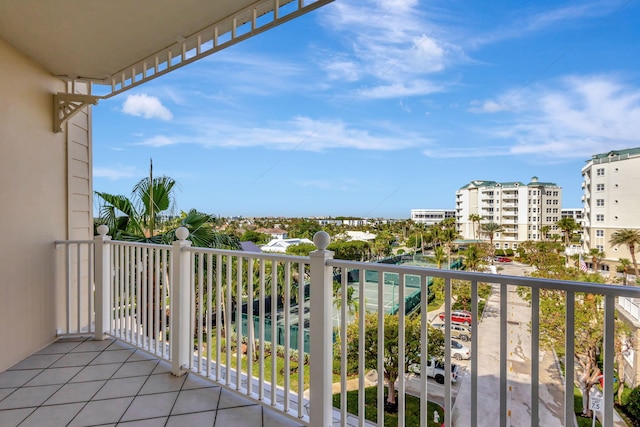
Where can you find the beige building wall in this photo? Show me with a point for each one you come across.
(611, 195)
(35, 186)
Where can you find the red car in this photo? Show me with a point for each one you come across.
(459, 316)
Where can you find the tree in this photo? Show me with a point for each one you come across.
(544, 231)
(475, 223)
(474, 257)
(439, 256)
(391, 339)
(490, 229)
(301, 249)
(568, 226)
(622, 268)
(255, 237)
(630, 238)
(596, 258)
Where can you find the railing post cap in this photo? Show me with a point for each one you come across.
(182, 233)
(321, 239)
(103, 230)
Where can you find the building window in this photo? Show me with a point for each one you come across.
(599, 233)
(600, 248)
(600, 187)
(600, 172)
(599, 218)
(548, 219)
(600, 202)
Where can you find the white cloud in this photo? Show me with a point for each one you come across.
(149, 107)
(114, 174)
(159, 141)
(489, 106)
(389, 47)
(299, 133)
(583, 115)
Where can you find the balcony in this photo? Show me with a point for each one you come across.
(159, 306)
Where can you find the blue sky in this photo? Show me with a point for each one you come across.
(372, 108)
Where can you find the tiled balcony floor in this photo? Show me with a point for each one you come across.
(81, 382)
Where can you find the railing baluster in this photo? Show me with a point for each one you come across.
(208, 312)
(301, 352)
(239, 335)
(474, 352)
(447, 352)
(503, 355)
(68, 288)
(569, 358)
(380, 406)
(424, 332)
(287, 333)
(361, 366)
(274, 329)
(79, 285)
(228, 321)
(401, 350)
(219, 317)
(200, 307)
(609, 354)
(261, 331)
(535, 356)
(250, 326)
(343, 345)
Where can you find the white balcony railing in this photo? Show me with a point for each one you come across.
(631, 306)
(210, 311)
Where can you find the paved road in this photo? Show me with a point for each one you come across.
(518, 367)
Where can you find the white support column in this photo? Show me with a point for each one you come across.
(180, 304)
(102, 262)
(321, 333)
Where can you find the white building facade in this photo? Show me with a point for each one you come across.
(611, 197)
(431, 216)
(525, 211)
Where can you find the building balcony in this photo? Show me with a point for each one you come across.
(169, 333)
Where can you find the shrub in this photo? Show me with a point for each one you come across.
(633, 406)
(508, 252)
(499, 252)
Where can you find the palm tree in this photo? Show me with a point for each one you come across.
(439, 256)
(475, 218)
(544, 230)
(568, 225)
(622, 268)
(630, 238)
(490, 229)
(596, 257)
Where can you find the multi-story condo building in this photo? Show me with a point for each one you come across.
(578, 216)
(431, 216)
(611, 197)
(525, 211)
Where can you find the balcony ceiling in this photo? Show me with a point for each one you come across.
(96, 40)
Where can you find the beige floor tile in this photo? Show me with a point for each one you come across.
(75, 359)
(59, 347)
(152, 422)
(246, 416)
(93, 346)
(121, 387)
(101, 412)
(75, 392)
(198, 400)
(128, 369)
(96, 372)
(26, 397)
(114, 356)
(162, 383)
(54, 376)
(37, 361)
(230, 399)
(152, 405)
(271, 418)
(13, 417)
(204, 419)
(12, 379)
(52, 416)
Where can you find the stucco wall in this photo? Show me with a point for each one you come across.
(34, 192)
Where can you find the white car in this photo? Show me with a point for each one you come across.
(460, 351)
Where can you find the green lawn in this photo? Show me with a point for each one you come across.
(412, 408)
(293, 367)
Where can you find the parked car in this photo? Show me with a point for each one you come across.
(459, 316)
(502, 259)
(435, 369)
(459, 351)
(458, 332)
